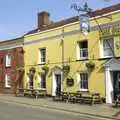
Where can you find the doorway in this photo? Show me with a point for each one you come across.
(58, 83)
(116, 84)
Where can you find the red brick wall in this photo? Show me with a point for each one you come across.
(17, 60)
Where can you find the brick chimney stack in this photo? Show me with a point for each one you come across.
(43, 19)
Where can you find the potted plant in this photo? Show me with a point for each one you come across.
(32, 69)
(21, 70)
(66, 69)
(90, 65)
(46, 69)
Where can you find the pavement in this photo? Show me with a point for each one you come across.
(99, 110)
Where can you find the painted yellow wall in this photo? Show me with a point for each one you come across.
(54, 55)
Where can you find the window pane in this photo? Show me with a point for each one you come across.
(84, 80)
(83, 49)
(7, 81)
(108, 47)
(43, 55)
(8, 60)
(43, 81)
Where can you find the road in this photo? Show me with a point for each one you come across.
(19, 112)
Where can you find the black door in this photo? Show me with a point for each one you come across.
(58, 84)
(116, 83)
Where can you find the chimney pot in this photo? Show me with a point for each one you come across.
(43, 19)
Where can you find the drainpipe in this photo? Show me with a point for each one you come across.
(62, 45)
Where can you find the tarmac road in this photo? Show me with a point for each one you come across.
(10, 111)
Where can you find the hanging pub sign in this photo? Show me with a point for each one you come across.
(70, 81)
(84, 23)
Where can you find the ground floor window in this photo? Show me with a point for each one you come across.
(7, 81)
(43, 81)
(83, 81)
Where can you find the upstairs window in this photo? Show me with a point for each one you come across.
(8, 60)
(42, 56)
(82, 50)
(7, 81)
(108, 47)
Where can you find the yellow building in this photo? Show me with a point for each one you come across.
(60, 57)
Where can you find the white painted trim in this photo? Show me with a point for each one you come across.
(8, 60)
(109, 86)
(83, 90)
(78, 51)
(62, 83)
(78, 81)
(104, 15)
(10, 47)
(54, 85)
(6, 81)
(72, 23)
(53, 29)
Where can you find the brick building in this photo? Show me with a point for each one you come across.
(11, 62)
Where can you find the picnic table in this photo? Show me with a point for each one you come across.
(117, 101)
(78, 97)
(31, 92)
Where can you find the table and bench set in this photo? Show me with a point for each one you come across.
(78, 97)
(117, 101)
(36, 93)
(73, 97)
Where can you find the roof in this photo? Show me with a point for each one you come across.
(19, 40)
(76, 18)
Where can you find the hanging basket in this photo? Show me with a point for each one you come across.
(32, 69)
(66, 69)
(90, 65)
(45, 69)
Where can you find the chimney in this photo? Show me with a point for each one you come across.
(43, 19)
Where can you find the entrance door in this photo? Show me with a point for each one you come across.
(58, 83)
(116, 83)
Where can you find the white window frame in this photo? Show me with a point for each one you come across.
(42, 57)
(8, 60)
(79, 81)
(7, 81)
(41, 81)
(80, 51)
(107, 47)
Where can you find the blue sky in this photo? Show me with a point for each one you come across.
(20, 16)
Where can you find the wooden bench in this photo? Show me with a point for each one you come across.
(19, 92)
(65, 96)
(96, 98)
(71, 97)
(79, 97)
(31, 92)
(40, 92)
(88, 98)
(117, 101)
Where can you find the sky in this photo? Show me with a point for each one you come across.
(20, 16)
